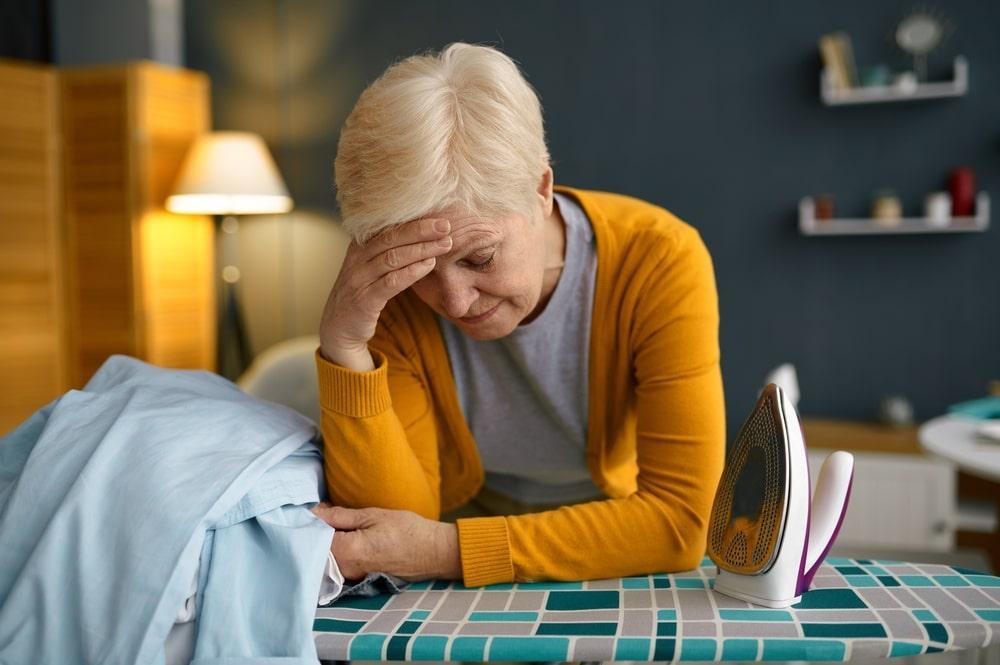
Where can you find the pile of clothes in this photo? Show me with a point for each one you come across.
(152, 496)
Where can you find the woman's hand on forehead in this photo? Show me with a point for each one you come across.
(370, 276)
(413, 231)
(468, 232)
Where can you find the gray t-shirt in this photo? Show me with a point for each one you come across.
(524, 396)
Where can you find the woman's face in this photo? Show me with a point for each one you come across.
(491, 280)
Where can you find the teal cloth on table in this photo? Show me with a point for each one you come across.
(857, 609)
(113, 497)
(986, 408)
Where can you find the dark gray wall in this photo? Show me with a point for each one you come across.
(711, 110)
(24, 30)
(98, 32)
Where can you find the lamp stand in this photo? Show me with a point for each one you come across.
(233, 350)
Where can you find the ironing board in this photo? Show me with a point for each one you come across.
(858, 608)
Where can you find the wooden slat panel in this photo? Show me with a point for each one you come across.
(178, 251)
(172, 110)
(32, 321)
(98, 218)
(142, 278)
(179, 297)
(110, 272)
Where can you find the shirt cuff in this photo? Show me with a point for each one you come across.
(484, 545)
(352, 393)
(333, 581)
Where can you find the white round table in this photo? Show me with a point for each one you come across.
(954, 438)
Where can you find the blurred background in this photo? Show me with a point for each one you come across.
(837, 158)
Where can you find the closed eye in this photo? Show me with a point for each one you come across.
(482, 266)
(480, 262)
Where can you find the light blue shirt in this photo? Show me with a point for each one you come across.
(112, 496)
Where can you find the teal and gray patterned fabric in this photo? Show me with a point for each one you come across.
(857, 608)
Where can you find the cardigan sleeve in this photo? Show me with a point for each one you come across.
(379, 435)
(680, 438)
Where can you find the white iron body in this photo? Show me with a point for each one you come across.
(806, 532)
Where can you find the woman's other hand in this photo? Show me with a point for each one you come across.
(371, 275)
(398, 542)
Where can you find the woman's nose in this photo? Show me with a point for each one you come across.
(457, 298)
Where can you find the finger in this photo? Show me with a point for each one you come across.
(393, 283)
(400, 256)
(346, 550)
(321, 507)
(408, 233)
(342, 518)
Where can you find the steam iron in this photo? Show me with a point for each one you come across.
(764, 537)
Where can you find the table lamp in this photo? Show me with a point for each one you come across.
(229, 174)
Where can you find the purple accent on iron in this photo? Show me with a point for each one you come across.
(833, 537)
(802, 583)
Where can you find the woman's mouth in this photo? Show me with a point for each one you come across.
(480, 317)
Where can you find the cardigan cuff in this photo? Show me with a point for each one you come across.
(351, 393)
(484, 546)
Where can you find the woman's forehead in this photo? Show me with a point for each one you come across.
(466, 240)
(470, 229)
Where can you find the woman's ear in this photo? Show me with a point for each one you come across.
(545, 190)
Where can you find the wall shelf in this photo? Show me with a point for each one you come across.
(875, 94)
(810, 226)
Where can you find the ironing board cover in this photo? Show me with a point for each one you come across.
(857, 608)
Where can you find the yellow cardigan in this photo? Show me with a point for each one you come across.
(395, 437)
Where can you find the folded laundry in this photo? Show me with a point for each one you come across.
(115, 497)
(179, 646)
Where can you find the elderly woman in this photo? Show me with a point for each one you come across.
(538, 361)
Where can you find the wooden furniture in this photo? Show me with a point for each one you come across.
(983, 491)
(91, 264)
(139, 279)
(900, 499)
(954, 439)
(32, 319)
(860, 436)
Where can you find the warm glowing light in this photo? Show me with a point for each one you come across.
(231, 274)
(229, 173)
(222, 204)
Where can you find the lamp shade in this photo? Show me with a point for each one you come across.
(229, 173)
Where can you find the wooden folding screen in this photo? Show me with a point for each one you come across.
(109, 270)
(33, 368)
(139, 277)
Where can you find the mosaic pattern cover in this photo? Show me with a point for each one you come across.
(857, 608)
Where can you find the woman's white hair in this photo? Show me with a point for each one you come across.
(460, 128)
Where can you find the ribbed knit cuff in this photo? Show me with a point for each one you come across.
(351, 393)
(484, 545)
